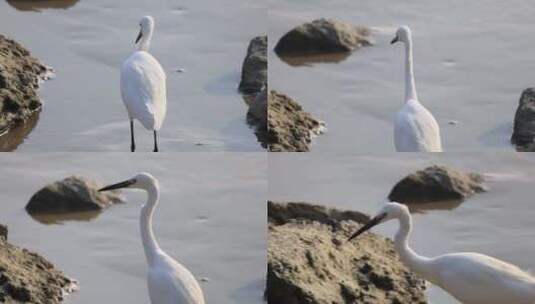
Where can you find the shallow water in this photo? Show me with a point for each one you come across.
(211, 218)
(472, 61)
(87, 41)
(498, 223)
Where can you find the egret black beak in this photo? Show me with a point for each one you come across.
(124, 184)
(139, 36)
(373, 222)
(396, 39)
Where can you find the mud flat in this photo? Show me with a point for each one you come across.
(310, 260)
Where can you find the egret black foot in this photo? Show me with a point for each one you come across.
(155, 141)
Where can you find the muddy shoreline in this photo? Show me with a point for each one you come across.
(310, 260)
(290, 128)
(27, 277)
(20, 76)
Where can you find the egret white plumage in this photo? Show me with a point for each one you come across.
(415, 128)
(471, 278)
(168, 281)
(143, 88)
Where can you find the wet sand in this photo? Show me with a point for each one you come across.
(498, 223)
(211, 218)
(472, 61)
(87, 41)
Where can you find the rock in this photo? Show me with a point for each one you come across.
(73, 194)
(26, 277)
(524, 125)
(310, 261)
(254, 69)
(258, 108)
(253, 86)
(323, 36)
(290, 129)
(280, 214)
(257, 115)
(39, 5)
(3, 231)
(436, 183)
(20, 74)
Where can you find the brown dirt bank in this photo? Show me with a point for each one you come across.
(20, 74)
(310, 261)
(26, 277)
(290, 129)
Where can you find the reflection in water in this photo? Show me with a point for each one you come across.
(423, 207)
(309, 60)
(525, 148)
(260, 128)
(36, 5)
(15, 136)
(59, 218)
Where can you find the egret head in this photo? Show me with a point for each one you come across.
(389, 212)
(146, 26)
(403, 34)
(141, 181)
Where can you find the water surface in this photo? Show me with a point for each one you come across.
(211, 218)
(86, 43)
(472, 61)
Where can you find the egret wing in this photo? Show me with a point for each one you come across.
(471, 276)
(143, 89)
(175, 281)
(415, 129)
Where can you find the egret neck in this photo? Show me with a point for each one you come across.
(144, 42)
(411, 259)
(147, 235)
(410, 86)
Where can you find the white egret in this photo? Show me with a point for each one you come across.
(471, 278)
(415, 128)
(143, 85)
(168, 281)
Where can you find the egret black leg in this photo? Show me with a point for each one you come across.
(133, 143)
(155, 141)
